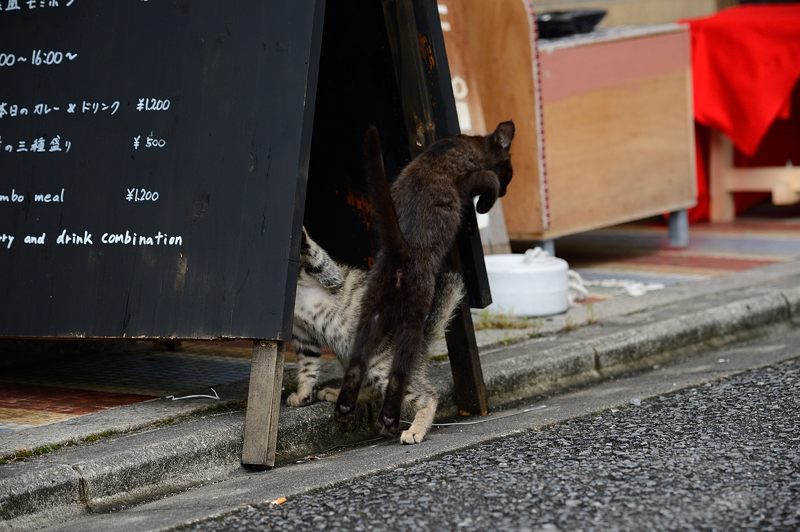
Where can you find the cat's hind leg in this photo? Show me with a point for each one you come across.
(424, 404)
(367, 341)
(408, 343)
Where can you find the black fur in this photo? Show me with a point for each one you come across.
(417, 221)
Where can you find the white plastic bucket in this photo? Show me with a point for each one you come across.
(537, 288)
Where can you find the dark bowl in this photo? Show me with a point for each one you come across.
(553, 24)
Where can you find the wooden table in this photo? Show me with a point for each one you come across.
(746, 64)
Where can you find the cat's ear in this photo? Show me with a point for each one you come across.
(504, 134)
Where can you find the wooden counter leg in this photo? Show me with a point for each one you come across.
(679, 228)
(263, 405)
(720, 165)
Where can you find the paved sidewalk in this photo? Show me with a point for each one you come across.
(64, 380)
(159, 446)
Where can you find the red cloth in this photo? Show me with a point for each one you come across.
(745, 63)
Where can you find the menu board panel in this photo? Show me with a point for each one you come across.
(153, 162)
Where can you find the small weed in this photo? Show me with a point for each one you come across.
(487, 320)
(440, 358)
(39, 451)
(22, 454)
(592, 319)
(569, 325)
(97, 437)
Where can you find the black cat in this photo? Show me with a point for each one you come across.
(417, 221)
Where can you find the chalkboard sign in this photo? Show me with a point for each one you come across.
(153, 161)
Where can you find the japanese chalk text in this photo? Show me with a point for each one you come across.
(20, 5)
(36, 145)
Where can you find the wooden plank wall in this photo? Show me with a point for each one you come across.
(494, 39)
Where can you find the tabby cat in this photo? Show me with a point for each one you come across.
(327, 306)
(417, 219)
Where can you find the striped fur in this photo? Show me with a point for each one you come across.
(326, 313)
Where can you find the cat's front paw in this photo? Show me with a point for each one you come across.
(412, 435)
(328, 394)
(296, 399)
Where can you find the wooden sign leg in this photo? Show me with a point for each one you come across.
(263, 405)
(465, 364)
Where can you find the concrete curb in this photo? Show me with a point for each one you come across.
(133, 467)
(589, 360)
(28, 492)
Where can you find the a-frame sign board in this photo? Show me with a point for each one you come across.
(154, 158)
(153, 166)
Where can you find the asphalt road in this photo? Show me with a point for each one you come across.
(720, 456)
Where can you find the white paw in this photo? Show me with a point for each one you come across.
(412, 435)
(328, 394)
(296, 399)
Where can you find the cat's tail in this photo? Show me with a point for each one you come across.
(383, 211)
(316, 262)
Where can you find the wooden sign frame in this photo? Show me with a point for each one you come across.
(245, 158)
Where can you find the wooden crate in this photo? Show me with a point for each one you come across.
(618, 130)
(604, 122)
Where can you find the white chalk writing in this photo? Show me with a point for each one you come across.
(38, 197)
(78, 239)
(134, 239)
(152, 104)
(13, 110)
(149, 142)
(35, 239)
(37, 145)
(96, 107)
(87, 238)
(18, 5)
(49, 198)
(6, 239)
(14, 197)
(37, 58)
(141, 194)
